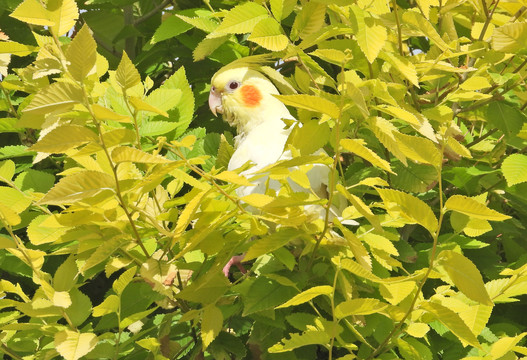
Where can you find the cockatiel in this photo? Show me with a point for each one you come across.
(245, 99)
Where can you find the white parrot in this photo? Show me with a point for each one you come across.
(245, 98)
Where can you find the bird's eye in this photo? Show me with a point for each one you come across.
(233, 85)
(213, 88)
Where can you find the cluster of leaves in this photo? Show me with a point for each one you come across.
(117, 215)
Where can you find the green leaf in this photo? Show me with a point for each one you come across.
(32, 12)
(126, 74)
(77, 187)
(80, 308)
(394, 293)
(506, 118)
(370, 35)
(514, 168)
(268, 34)
(510, 38)
(242, 18)
(465, 276)
(282, 8)
(211, 324)
(266, 294)
(64, 13)
(307, 295)
(312, 103)
(124, 153)
(409, 207)
(73, 345)
(59, 96)
(359, 307)
(505, 345)
(452, 321)
(63, 138)
(64, 278)
(170, 27)
(139, 104)
(207, 46)
(185, 107)
(164, 99)
(271, 242)
(473, 208)
(357, 147)
(35, 181)
(103, 252)
(82, 54)
(312, 337)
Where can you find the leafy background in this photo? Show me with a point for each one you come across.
(117, 214)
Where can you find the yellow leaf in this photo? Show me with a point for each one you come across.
(421, 24)
(465, 276)
(514, 168)
(242, 18)
(126, 74)
(139, 104)
(32, 12)
(510, 38)
(458, 148)
(361, 207)
(354, 268)
(14, 48)
(409, 207)
(268, 34)
(9, 216)
(357, 147)
(475, 83)
(452, 321)
(211, 324)
(402, 65)
(125, 153)
(57, 96)
(64, 13)
(188, 212)
(417, 330)
(364, 306)
(473, 208)
(257, 200)
(73, 345)
(384, 131)
(501, 347)
(16, 200)
(311, 103)
(399, 113)
(63, 138)
(419, 149)
(307, 295)
(232, 177)
(82, 54)
(370, 34)
(77, 187)
(309, 20)
(61, 299)
(102, 113)
(108, 306)
(476, 317)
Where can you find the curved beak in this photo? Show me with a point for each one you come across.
(215, 102)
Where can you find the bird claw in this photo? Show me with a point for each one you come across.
(236, 261)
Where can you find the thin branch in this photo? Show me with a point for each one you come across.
(154, 11)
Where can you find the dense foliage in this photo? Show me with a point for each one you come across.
(117, 215)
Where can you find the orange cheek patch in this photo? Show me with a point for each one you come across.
(251, 96)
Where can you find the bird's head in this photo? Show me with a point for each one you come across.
(244, 97)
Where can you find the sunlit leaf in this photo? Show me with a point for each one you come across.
(311, 337)
(359, 307)
(125, 153)
(79, 186)
(268, 34)
(82, 54)
(370, 34)
(514, 168)
(64, 13)
(211, 324)
(510, 37)
(32, 12)
(409, 207)
(312, 103)
(473, 208)
(357, 147)
(242, 18)
(126, 74)
(307, 295)
(465, 276)
(309, 20)
(452, 321)
(57, 96)
(73, 345)
(63, 138)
